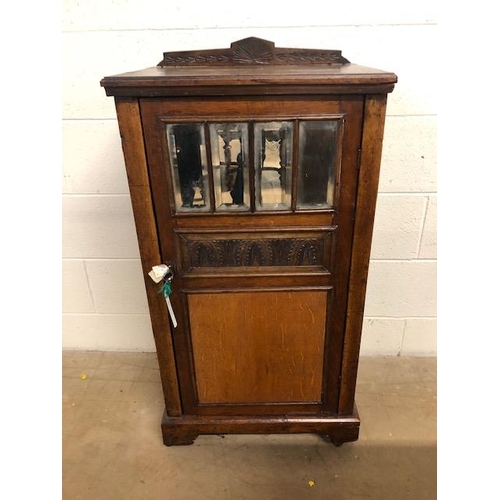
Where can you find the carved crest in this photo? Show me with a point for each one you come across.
(252, 51)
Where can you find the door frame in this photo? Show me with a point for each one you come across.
(154, 114)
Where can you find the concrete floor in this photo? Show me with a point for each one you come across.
(112, 447)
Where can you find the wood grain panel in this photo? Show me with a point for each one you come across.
(258, 347)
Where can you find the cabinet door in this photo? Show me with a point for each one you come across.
(254, 200)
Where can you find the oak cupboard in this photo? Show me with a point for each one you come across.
(253, 174)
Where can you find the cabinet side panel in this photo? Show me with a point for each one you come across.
(129, 121)
(371, 152)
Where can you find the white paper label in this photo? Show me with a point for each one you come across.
(158, 272)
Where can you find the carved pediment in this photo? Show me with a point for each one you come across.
(252, 51)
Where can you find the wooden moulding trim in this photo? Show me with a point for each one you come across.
(257, 290)
(265, 424)
(159, 89)
(249, 272)
(129, 122)
(257, 230)
(228, 282)
(371, 152)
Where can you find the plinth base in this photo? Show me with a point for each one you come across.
(184, 430)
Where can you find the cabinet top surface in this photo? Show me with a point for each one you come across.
(254, 63)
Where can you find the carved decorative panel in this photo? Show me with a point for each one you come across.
(252, 50)
(234, 250)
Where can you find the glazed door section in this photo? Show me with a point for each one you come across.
(255, 166)
(254, 202)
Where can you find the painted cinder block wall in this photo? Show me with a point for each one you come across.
(104, 300)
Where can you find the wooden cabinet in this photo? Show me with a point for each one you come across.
(253, 174)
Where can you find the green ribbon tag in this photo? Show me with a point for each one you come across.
(166, 289)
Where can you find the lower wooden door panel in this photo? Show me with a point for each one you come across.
(258, 346)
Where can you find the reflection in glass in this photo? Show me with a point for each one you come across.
(317, 163)
(273, 165)
(229, 145)
(186, 144)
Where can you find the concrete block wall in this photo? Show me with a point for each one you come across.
(104, 301)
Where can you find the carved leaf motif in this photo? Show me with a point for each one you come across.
(205, 254)
(305, 252)
(263, 252)
(256, 253)
(305, 57)
(200, 59)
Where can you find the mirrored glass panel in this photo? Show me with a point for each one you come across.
(318, 143)
(229, 145)
(273, 165)
(186, 145)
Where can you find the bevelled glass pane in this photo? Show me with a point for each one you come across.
(273, 165)
(318, 142)
(229, 145)
(186, 145)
